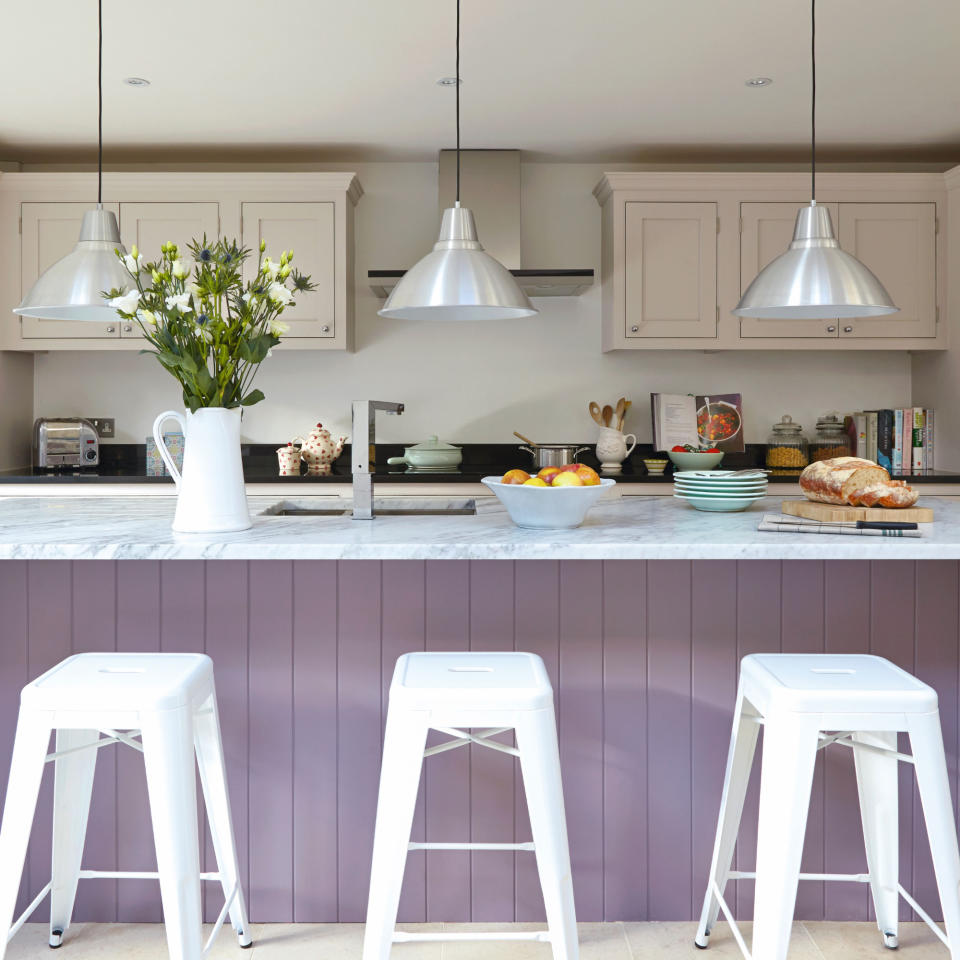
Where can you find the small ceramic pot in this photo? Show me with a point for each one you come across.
(612, 449)
(432, 454)
(288, 460)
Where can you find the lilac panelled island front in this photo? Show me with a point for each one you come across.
(643, 656)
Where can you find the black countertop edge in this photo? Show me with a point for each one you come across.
(126, 463)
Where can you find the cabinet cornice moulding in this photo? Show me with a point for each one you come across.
(952, 178)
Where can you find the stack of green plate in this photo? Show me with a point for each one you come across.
(719, 491)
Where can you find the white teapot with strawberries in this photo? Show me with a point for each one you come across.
(319, 450)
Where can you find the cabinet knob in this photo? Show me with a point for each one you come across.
(127, 327)
(111, 329)
(831, 329)
(634, 328)
(848, 329)
(325, 328)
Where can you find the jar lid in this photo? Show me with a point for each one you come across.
(830, 421)
(433, 443)
(786, 425)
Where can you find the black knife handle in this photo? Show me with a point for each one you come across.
(885, 525)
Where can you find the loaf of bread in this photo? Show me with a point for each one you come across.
(855, 482)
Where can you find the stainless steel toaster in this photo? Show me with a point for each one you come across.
(65, 442)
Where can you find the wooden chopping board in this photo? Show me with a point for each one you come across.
(828, 511)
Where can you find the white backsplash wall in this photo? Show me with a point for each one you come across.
(477, 382)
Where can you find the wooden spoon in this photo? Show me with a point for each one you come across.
(607, 415)
(525, 439)
(620, 411)
(626, 406)
(595, 413)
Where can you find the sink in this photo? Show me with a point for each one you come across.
(387, 507)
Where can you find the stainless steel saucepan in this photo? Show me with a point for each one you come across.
(554, 454)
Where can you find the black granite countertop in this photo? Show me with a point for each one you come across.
(127, 463)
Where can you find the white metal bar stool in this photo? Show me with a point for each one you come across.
(95, 699)
(472, 697)
(806, 702)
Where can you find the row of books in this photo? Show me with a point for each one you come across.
(900, 440)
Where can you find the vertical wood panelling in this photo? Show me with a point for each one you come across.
(491, 773)
(643, 657)
(447, 776)
(315, 726)
(713, 607)
(403, 632)
(359, 733)
(138, 631)
(802, 631)
(536, 630)
(94, 630)
(670, 895)
(270, 732)
(625, 740)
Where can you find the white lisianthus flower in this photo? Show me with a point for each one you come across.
(270, 268)
(278, 328)
(278, 293)
(148, 316)
(133, 263)
(194, 288)
(179, 300)
(127, 303)
(247, 297)
(180, 269)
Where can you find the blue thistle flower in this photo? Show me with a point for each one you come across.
(202, 319)
(205, 255)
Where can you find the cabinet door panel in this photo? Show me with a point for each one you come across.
(670, 273)
(150, 225)
(49, 231)
(766, 231)
(309, 229)
(898, 242)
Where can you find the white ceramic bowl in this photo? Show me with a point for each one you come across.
(547, 508)
(688, 460)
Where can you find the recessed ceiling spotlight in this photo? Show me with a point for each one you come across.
(758, 82)
(136, 82)
(448, 82)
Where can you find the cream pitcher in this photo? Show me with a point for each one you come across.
(211, 497)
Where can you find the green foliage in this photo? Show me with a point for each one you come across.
(207, 327)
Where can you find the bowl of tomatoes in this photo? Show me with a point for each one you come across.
(687, 457)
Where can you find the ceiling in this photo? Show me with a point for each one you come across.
(611, 80)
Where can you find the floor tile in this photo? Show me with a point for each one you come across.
(853, 941)
(654, 940)
(598, 941)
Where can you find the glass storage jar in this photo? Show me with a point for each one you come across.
(832, 439)
(786, 447)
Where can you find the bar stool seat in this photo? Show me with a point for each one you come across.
(806, 702)
(163, 705)
(472, 697)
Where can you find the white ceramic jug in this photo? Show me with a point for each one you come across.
(211, 497)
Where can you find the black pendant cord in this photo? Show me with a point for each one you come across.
(99, 102)
(458, 103)
(813, 100)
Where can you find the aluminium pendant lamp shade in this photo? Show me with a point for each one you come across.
(815, 279)
(458, 280)
(73, 287)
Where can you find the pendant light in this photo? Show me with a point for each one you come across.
(458, 280)
(72, 288)
(815, 279)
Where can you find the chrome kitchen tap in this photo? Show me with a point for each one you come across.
(363, 452)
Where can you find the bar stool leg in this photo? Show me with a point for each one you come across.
(536, 733)
(168, 753)
(213, 780)
(743, 745)
(926, 742)
(878, 786)
(72, 790)
(789, 752)
(404, 742)
(26, 772)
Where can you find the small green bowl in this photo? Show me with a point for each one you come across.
(695, 461)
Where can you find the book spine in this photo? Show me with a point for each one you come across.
(860, 420)
(928, 437)
(908, 440)
(885, 439)
(918, 424)
(872, 435)
(898, 441)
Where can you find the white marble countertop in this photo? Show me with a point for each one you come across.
(114, 528)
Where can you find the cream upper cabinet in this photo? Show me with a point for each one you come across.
(898, 242)
(309, 229)
(766, 230)
(49, 231)
(150, 225)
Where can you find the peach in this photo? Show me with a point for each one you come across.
(570, 467)
(548, 473)
(567, 478)
(536, 482)
(515, 476)
(588, 475)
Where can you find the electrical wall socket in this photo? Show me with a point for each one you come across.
(106, 426)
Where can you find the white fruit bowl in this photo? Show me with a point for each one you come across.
(547, 508)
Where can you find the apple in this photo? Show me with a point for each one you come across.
(567, 478)
(587, 475)
(515, 476)
(570, 467)
(548, 473)
(536, 482)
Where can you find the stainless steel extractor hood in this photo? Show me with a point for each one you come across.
(490, 186)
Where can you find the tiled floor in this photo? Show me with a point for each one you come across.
(598, 941)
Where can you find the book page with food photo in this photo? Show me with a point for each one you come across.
(695, 422)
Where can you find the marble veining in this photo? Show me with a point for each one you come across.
(117, 528)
